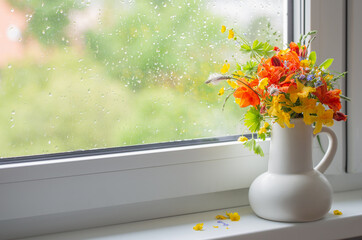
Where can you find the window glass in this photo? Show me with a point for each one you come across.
(90, 74)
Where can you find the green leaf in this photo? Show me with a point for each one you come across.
(252, 145)
(238, 66)
(250, 67)
(326, 63)
(262, 136)
(252, 119)
(245, 48)
(313, 57)
(258, 150)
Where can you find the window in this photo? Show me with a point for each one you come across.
(81, 75)
(80, 192)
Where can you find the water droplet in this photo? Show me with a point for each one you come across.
(12, 10)
(9, 66)
(13, 112)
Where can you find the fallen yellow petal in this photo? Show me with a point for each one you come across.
(216, 226)
(221, 217)
(234, 216)
(198, 227)
(337, 212)
(223, 28)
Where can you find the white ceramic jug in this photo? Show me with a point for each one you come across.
(292, 190)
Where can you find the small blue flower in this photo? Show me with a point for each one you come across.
(224, 224)
(302, 76)
(318, 83)
(300, 58)
(310, 78)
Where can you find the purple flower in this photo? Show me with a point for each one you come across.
(310, 78)
(318, 83)
(302, 76)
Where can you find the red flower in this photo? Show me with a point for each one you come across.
(294, 47)
(330, 98)
(276, 49)
(338, 116)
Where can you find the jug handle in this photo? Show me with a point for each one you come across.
(331, 151)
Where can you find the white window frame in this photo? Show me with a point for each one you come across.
(66, 194)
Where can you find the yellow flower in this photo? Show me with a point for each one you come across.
(277, 103)
(231, 34)
(234, 216)
(301, 91)
(223, 28)
(220, 217)
(284, 119)
(308, 106)
(337, 212)
(198, 227)
(225, 68)
(232, 84)
(221, 91)
(263, 83)
(323, 117)
(305, 63)
(328, 77)
(240, 73)
(262, 130)
(266, 124)
(241, 139)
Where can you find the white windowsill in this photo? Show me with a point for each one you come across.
(249, 227)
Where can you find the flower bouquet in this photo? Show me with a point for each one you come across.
(277, 85)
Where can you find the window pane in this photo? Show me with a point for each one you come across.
(90, 74)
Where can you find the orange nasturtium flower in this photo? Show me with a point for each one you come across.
(267, 70)
(198, 227)
(245, 96)
(330, 98)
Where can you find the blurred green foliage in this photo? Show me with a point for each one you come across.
(137, 78)
(47, 19)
